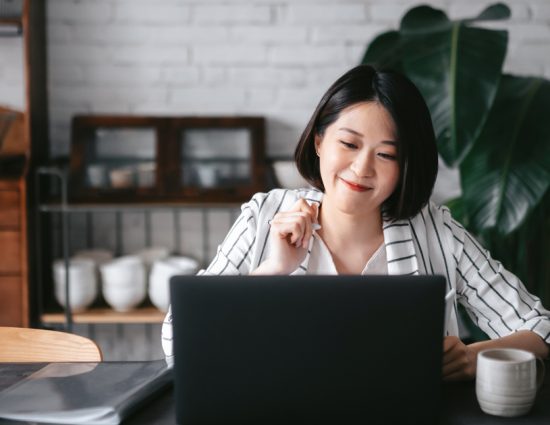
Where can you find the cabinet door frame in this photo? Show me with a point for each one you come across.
(169, 185)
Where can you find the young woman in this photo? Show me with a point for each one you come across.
(369, 151)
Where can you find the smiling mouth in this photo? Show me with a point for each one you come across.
(356, 187)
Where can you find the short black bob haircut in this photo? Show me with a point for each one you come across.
(416, 145)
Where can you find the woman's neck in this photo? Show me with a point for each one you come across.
(340, 228)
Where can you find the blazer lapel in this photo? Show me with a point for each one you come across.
(400, 252)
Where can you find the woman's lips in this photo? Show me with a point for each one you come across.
(354, 186)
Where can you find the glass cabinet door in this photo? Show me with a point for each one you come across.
(176, 159)
(215, 157)
(121, 158)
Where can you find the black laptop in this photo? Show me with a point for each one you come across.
(307, 349)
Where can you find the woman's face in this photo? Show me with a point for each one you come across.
(358, 158)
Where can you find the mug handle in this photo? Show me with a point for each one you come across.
(540, 372)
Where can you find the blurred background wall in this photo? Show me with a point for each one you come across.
(218, 57)
(264, 57)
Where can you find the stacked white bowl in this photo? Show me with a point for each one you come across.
(98, 256)
(151, 254)
(124, 282)
(82, 283)
(161, 272)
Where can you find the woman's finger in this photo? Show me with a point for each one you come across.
(457, 365)
(302, 213)
(455, 376)
(455, 351)
(302, 205)
(291, 228)
(449, 342)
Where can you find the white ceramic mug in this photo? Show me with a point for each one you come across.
(507, 381)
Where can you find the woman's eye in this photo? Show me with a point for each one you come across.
(348, 145)
(387, 156)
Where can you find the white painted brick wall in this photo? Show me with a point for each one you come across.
(330, 14)
(267, 57)
(230, 53)
(232, 14)
(152, 12)
(76, 11)
(12, 89)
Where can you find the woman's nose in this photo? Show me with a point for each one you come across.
(362, 166)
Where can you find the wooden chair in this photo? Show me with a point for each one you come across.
(24, 345)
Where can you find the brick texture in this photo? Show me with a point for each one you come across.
(267, 57)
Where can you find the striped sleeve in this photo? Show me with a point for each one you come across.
(495, 299)
(234, 254)
(233, 257)
(166, 338)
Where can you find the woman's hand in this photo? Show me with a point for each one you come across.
(459, 360)
(289, 238)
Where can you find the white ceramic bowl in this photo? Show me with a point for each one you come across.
(123, 271)
(82, 283)
(98, 256)
(288, 176)
(124, 298)
(159, 280)
(123, 282)
(149, 255)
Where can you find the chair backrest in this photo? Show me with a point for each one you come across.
(22, 345)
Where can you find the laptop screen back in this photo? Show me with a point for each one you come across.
(307, 349)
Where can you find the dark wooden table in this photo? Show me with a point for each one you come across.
(459, 406)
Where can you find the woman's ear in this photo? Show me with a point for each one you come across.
(317, 142)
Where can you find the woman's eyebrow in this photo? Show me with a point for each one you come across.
(356, 133)
(349, 130)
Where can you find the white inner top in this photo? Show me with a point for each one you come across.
(321, 262)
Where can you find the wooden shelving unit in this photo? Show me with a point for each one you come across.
(24, 146)
(11, 21)
(106, 315)
(49, 313)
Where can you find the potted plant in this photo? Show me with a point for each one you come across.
(494, 127)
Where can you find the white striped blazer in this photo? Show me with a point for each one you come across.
(432, 242)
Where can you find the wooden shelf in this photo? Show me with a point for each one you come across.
(107, 315)
(135, 207)
(11, 21)
(11, 26)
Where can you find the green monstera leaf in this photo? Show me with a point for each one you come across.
(455, 65)
(494, 127)
(507, 173)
